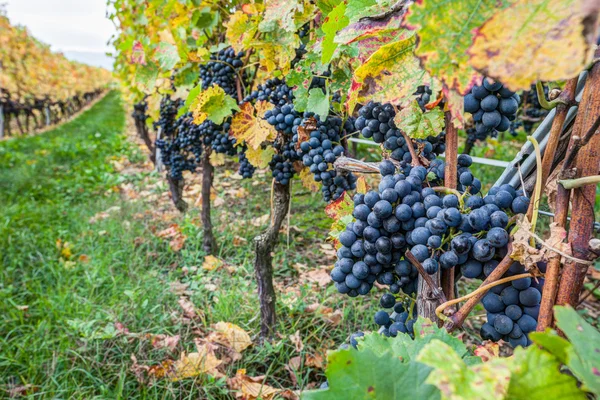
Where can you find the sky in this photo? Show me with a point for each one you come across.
(78, 28)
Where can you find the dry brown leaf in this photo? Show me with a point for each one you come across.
(333, 318)
(260, 221)
(104, 214)
(315, 361)
(295, 363)
(319, 276)
(165, 341)
(289, 394)
(211, 263)
(176, 244)
(171, 231)
(529, 256)
(230, 335)
(251, 388)
(238, 240)
(297, 341)
(189, 310)
(21, 390)
(179, 288)
(122, 329)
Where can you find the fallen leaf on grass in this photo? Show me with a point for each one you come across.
(297, 341)
(230, 335)
(174, 233)
(21, 390)
(211, 263)
(165, 341)
(260, 221)
(194, 364)
(251, 388)
(315, 361)
(104, 214)
(189, 309)
(238, 240)
(177, 243)
(179, 288)
(84, 258)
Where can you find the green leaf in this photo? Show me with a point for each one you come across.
(584, 357)
(418, 124)
(190, 99)
(167, 56)
(445, 30)
(327, 5)
(552, 343)
(145, 76)
(535, 374)
(300, 98)
(457, 381)
(214, 104)
(318, 102)
(358, 9)
(361, 374)
(334, 22)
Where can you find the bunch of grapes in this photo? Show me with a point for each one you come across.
(377, 121)
(140, 111)
(321, 149)
(400, 320)
(167, 116)
(493, 107)
(275, 91)
(246, 169)
(423, 96)
(533, 110)
(513, 307)
(223, 70)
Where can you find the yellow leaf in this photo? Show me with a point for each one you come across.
(532, 40)
(241, 29)
(211, 263)
(233, 336)
(254, 130)
(212, 103)
(308, 180)
(166, 36)
(361, 185)
(194, 364)
(251, 388)
(66, 252)
(217, 159)
(260, 157)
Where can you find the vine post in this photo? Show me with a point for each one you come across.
(582, 216)
(450, 181)
(263, 261)
(209, 244)
(561, 209)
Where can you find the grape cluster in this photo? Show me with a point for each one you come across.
(223, 70)
(319, 151)
(400, 320)
(182, 150)
(283, 119)
(246, 169)
(513, 307)
(377, 121)
(423, 96)
(274, 91)
(493, 107)
(167, 116)
(140, 111)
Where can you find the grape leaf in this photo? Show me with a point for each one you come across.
(335, 21)
(166, 55)
(448, 25)
(241, 29)
(457, 381)
(279, 14)
(584, 354)
(145, 77)
(260, 157)
(214, 104)
(308, 180)
(361, 185)
(418, 124)
(362, 374)
(217, 159)
(248, 125)
(341, 207)
(519, 44)
(192, 95)
(327, 5)
(358, 9)
(318, 102)
(368, 36)
(392, 74)
(276, 51)
(138, 56)
(455, 104)
(535, 374)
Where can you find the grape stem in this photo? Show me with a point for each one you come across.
(579, 182)
(548, 105)
(443, 189)
(483, 288)
(415, 160)
(538, 185)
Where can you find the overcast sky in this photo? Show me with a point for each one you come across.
(79, 28)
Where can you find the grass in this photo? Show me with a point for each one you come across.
(59, 310)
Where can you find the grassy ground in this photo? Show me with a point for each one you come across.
(69, 288)
(91, 272)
